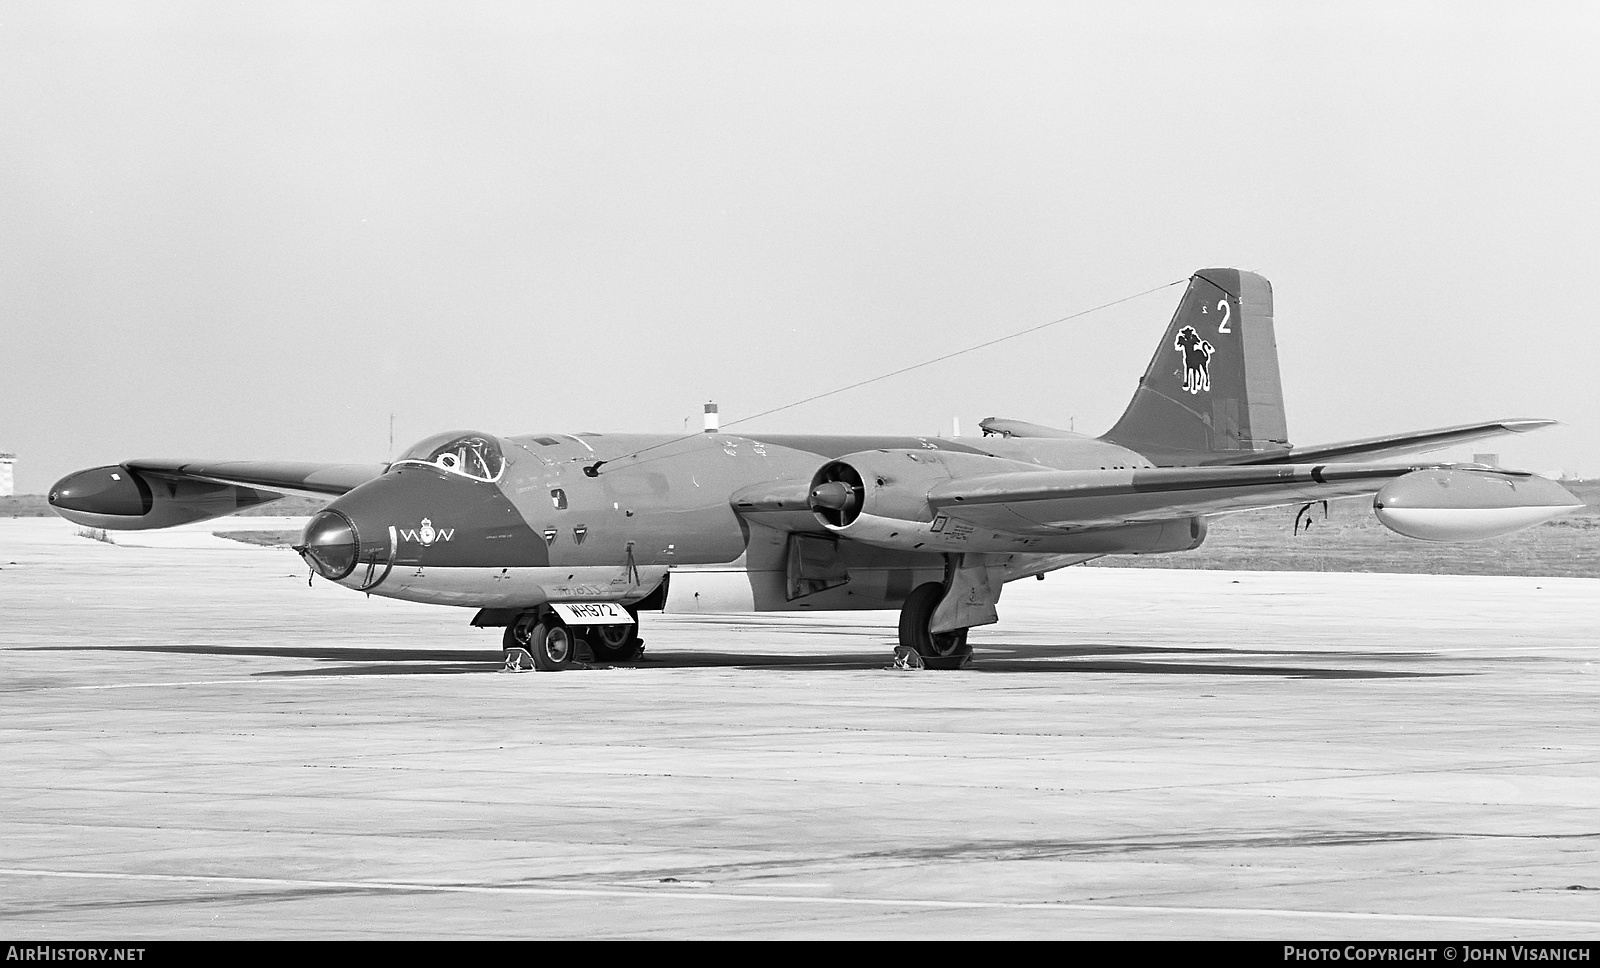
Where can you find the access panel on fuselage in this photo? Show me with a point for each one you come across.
(666, 497)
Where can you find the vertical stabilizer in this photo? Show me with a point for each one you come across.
(1212, 392)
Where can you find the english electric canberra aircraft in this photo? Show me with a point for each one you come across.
(564, 538)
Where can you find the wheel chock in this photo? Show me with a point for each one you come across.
(907, 658)
(518, 660)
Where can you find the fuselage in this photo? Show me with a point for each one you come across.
(547, 525)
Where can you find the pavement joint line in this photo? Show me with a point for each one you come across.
(257, 680)
(1063, 906)
(146, 685)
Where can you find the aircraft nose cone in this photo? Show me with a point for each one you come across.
(102, 490)
(329, 544)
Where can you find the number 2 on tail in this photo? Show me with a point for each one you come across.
(1227, 314)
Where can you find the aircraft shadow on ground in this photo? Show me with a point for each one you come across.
(1036, 659)
(361, 661)
(988, 658)
(1296, 664)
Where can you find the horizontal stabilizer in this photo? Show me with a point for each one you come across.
(1003, 427)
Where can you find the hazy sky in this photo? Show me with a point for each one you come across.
(256, 230)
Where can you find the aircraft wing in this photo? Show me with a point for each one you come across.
(927, 500)
(1394, 445)
(286, 477)
(1436, 502)
(1049, 502)
(142, 495)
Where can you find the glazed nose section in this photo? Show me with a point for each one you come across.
(329, 545)
(102, 490)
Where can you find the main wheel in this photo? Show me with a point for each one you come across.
(554, 646)
(614, 643)
(943, 650)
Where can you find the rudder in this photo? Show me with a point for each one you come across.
(1212, 391)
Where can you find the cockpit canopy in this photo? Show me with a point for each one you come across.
(462, 452)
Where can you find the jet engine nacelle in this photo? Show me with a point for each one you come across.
(880, 497)
(120, 499)
(1458, 504)
(893, 484)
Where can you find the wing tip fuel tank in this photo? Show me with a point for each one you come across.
(1465, 505)
(122, 499)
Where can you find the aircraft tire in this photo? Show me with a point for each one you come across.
(555, 647)
(609, 645)
(945, 650)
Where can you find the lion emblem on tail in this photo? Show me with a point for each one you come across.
(1196, 359)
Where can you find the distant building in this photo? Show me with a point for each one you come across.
(8, 484)
(1488, 460)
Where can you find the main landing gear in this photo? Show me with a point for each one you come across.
(921, 648)
(549, 644)
(936, 616)
(615, 643)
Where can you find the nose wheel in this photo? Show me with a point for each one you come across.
(542, 639)
(548, 640)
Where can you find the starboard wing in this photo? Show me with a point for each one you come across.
(1053, 502)
(1396, 445)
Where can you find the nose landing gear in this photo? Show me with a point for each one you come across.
(540, 639)
(548, 642)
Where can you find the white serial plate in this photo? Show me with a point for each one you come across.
(593, 613)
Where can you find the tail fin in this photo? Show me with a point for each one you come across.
(1212, 391)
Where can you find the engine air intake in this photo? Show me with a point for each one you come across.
(836, 494)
